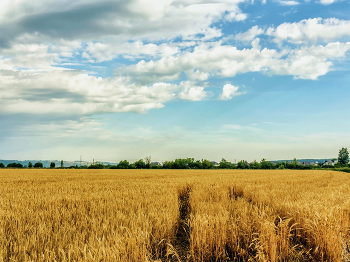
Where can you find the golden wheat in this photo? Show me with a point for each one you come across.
(172, 215)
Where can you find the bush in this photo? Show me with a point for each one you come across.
(140, 164)
(255, 165)
(38, 165)
(96, 166)
(225, 164)
(206, 164)
(52, 165)
(242, 164)
(15, 165)
(123, 164)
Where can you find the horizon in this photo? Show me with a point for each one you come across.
(161, 161)
(169, 79)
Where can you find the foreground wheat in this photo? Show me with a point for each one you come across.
(172, 215)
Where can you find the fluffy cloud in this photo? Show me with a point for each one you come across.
(290, 2)
(39, 38)
(103, 52)
(313, 29)
(134, 19)
(73, 94)
(310, 62)
(250, 34)
(229, 91)
(227, 61)
(193, 93)
(327, 2)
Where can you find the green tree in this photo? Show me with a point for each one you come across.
(2, 165)
(30, 165)
(181, 163)
(148, 161)
(123, 164)
(206, 164)
(255, 165)
(15, 165)
(38, 165)
(280, 165)
(242, 164)
(99, 165)
(52, 165)
(140, 164)
(343, 156)
(266, 164)
(225, 164)
(62, 164)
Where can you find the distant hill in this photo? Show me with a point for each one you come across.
(46, 163)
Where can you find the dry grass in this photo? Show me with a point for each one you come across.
(172, 215)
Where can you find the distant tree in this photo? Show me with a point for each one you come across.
(2, 165)
(140, 164)
(15, 165)
(132, 166)
(343, 156)
(180, 163)
(225, 164)
(196, 164)
(38, 165)
(242, 164)
(52, 165)
(266, 164)
(148, 161)
(97, 165)
(62, 164)
(255, 165)
(206, 164)
(123, 164)
(293, 165)
(168, 164)
(30, 165)
(280, 165)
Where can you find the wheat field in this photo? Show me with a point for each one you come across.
(174, 215)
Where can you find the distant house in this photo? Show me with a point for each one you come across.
(156, 164)
(304, 163)
(328, 163)
(215, 163)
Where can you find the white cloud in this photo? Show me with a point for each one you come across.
(227, 61)
(250, 34)
(30, 56)
(193, 93)
(312, 29)
(229, 91)
(103, 51)
(310, 62)
(70, 93)
(290, 2)
(327, 2)
(129, 20)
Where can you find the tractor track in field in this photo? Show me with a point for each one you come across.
(181, 243)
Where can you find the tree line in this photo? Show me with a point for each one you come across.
(191, 163)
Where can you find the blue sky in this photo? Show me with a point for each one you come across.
(114, 80)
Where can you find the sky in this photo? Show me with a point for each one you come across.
(208, 79)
